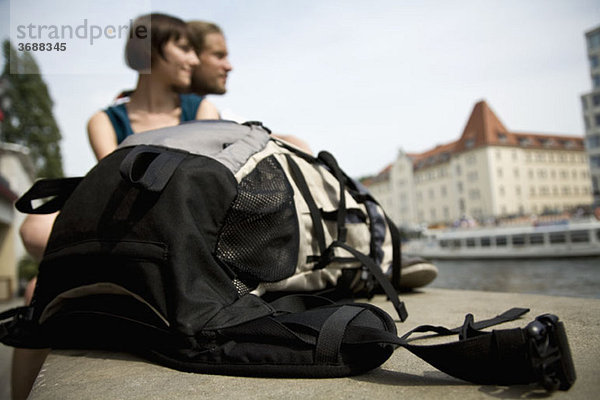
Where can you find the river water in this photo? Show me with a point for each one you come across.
(576, 277)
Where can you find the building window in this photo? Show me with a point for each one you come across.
(518, 190)
(593, 141)
(501, 191)
(596, 100)
(431, 194)
(523, 142)
(469, 143)
(584, 103)
(443, 190)
(596, 81)
(516, 172)
(594, 61)
(540, 157)
(459, 187)
(474, 194)
(595, 161)
(499, 172)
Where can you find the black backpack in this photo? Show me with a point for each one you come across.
(161, 249)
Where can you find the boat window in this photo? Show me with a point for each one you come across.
(580, 236)
(501, 240)
(486, 242)
(598, 234)
(470, 242)
(443, 243)
(456, 243)
(536, 239)
(518, 240)
(558, 237)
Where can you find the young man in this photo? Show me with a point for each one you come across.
(210, 77)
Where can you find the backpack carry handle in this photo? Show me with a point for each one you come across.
(150, 168)
(54, 191)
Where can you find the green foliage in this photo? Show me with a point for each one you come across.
(28, 268)
(27, 107)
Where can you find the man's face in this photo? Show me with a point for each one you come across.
(210, 77)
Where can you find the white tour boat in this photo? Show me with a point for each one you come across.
(567, 239)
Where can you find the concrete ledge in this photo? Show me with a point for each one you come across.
(104, 375)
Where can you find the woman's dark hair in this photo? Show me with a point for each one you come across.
(147, 37)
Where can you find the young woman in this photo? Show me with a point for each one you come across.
(157, 101)
(159, 49)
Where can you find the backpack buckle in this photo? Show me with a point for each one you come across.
(549, 353)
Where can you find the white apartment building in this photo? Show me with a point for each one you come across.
(591, 109)
(488, 172)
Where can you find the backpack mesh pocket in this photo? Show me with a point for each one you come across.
(259, 239)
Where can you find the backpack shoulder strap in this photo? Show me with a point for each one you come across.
(537, 353)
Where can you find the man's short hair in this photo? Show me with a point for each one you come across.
(149, 35)
(197, 33)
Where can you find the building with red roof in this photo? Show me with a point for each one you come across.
(488, 172)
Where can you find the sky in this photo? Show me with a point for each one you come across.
(360, 79)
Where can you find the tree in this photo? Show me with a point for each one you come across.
(27, 108)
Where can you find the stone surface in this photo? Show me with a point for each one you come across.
(77, 374)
